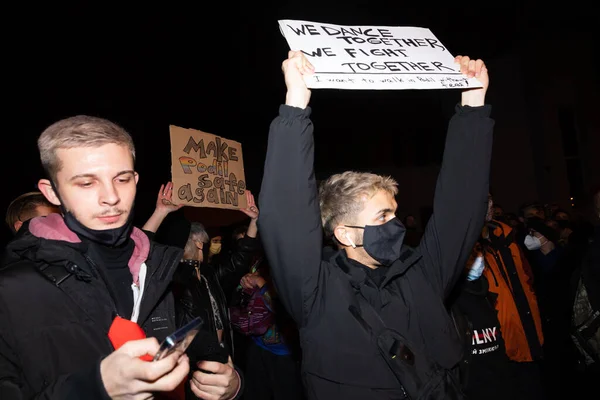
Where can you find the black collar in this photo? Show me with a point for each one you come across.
(192, 263)
(358, 275)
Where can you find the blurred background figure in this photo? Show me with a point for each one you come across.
(28, 206)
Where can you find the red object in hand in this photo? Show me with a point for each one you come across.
(123, 330)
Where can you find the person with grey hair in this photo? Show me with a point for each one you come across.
(194, 247)
(199, 288)
(198, 293)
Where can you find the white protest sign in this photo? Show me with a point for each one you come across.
(374, 57)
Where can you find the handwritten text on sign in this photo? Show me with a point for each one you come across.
(371, 57)
(208, 170)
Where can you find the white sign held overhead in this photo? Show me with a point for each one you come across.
(374, 57)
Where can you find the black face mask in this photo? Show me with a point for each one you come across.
(383, 242)
(108, 237)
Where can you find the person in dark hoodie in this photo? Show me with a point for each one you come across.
(485, 370)
(75, 286)
(371, 317)
(485, 367)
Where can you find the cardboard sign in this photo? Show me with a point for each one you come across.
(207, 170)
(374, 57)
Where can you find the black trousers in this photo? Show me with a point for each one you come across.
(271, 377)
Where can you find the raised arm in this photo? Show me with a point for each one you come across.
(164, 206)
(290, 221)
(460, 201)
(237, 264)
(252, 211)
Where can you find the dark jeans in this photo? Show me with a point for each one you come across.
(271, 377)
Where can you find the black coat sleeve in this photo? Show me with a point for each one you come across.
(290, 218)
(460, 201)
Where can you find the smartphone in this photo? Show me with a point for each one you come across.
(179, 340)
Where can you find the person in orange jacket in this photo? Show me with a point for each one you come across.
(511, 279)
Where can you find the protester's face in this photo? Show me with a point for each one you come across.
(200, 251)
(97, 184)
(553, 224)
(561, 216)
(535, 212)
(538, 235)
(552, 208)
(377, 210)
(215, 245)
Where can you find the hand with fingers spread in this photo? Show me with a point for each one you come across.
(126, 376)
(294, 68)
(219, 382)
(473, 69)
(164, 206)
(164, 203)
(251, 209)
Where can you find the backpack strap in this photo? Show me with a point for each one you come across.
(396, 351)
(58, 274)
(79, 286)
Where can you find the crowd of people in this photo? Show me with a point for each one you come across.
(323, 293)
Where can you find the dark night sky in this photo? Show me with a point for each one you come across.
(218, 70)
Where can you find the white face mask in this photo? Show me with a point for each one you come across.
(532, 243)
(476, 269)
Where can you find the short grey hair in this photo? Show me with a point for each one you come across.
(197, 234)
(342, 197)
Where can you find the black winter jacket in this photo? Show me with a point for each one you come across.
(188, 291)
(55, 310)
(360, 340)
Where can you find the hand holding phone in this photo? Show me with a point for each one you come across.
(179, 340)
(216, 380)
(125, 376)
